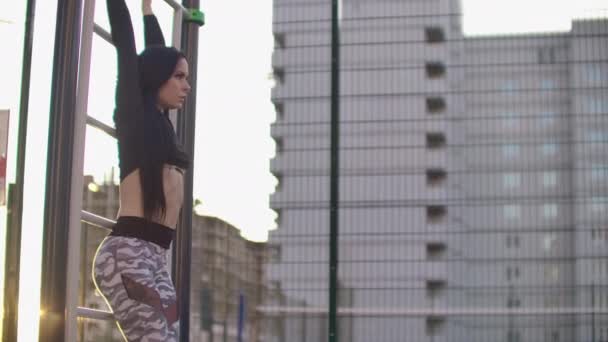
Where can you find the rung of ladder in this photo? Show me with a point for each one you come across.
(102, 126)
(103, 223)
(96, 220)
(103, 33)
(177, 6)
(94, 314)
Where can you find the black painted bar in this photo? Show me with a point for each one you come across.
(334, 198)
(59, 171)
(15, 193)
(186, 123)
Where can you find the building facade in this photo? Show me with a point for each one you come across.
(471, 176)
(227, 279)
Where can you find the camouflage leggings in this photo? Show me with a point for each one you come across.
(132, 276)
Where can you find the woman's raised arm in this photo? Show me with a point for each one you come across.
(128, 93)
(152, 32)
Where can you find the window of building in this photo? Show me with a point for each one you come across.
(599, 234)
(547, 55)
(435, 177)
(510, 151)
(597, 75)
(510, 119)
(508, 86)
(599, 172)
(435, 105)
(279, 184)
(278, 75)
(549, 149)
(549, 179)
(597, 137)
(511, 180)
(512, 241)
(279, 40)
(278, 142)
(279, 108)
(512, 211)
(274, 252)
(513, 301)
(550, 210)
(435, 250)
(598, 204)
(548, 118)
(434, 34)
(435, 213)
(513, 336)
(279, 218)
(435, 140)
(434, 70)
(549, 242)
(551, 301)
(596, 105)
(512, 272)
(551, 273)
(547, 84)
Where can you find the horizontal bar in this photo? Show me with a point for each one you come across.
(177, 6)
(424, 312)
(95, 220)
(102, 126)
(103, 33)
(94, 314)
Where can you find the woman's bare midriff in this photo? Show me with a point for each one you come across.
(131, 203)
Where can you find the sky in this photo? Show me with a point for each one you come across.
(234, 113)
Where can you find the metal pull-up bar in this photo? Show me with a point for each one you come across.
(191, 15)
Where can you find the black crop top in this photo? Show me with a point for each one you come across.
(145, 134)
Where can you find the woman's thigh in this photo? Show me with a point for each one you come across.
(124, 271)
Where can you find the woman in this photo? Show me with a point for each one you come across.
(130, 267)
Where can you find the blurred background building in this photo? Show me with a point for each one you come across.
(473, 176)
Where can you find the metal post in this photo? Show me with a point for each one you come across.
(241, 318)
(59, 172)
(15, 194)
(186, 123)
(334, 172)
(77, 165)
(593, 306)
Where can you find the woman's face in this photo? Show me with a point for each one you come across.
(173, 92)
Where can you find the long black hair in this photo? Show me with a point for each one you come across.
(156, 66)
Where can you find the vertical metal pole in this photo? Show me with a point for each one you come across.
(186, 124)
(75, 204)
(59, 172)
(15, 195)
(334, 172)
(241, 318)
(178, 19)
(593, 312)
(176, 42)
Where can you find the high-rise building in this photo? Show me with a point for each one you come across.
(472, 176)
(227, 281)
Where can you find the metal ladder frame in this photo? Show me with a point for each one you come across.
(81, 120)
